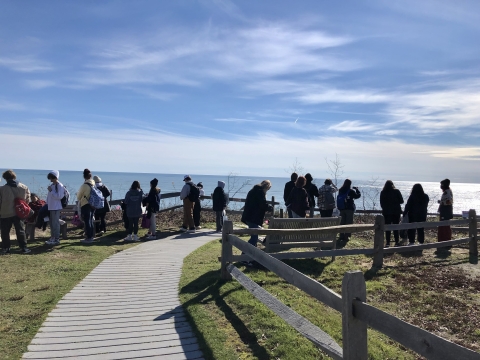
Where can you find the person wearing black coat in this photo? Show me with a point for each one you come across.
(288, 189)
(416, 209)
(297, 202)
(390, 200)
(255, 207)
(102, 212)
(347, 212)
(312, 192)
(219, 204)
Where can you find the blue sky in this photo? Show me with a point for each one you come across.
(392, 88)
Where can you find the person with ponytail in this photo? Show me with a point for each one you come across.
(83, 195)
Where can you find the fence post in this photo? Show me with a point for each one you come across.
(354, 331)
(227, 250)
(379, 241)
(472, 232)
(281, 213)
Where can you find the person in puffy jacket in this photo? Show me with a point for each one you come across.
(326, 198)
(350, 193)
(390, 200)
(219, 204)
(133, 201)
(297, 201)
(416, 209)
(83, 195)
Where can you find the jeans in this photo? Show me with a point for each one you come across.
(326, 213)
(347, 219)
(196, 213)
(153, 224)
(188, 214)
(87, 214)
(253, 238)
(392, 219)
(103, 225)
(133, 225)
(55, 224)
(6, 225)
(219, 220)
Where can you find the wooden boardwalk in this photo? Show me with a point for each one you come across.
(127, 307)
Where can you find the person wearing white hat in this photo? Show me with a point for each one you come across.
(56, 191)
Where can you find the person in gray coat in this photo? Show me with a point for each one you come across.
(133, 202)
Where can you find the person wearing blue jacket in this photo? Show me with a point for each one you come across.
(133, 202)
(349, 194)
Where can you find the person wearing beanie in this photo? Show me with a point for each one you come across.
(8, 217)
(152, 204)
(445, 209)
(188, 205)
(56, 191)
(219, 204)
(297, 201)
(101, 228)
(198, 207)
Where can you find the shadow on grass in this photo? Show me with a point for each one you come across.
(208, 289)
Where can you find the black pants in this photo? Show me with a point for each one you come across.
(6, 225)
(391, 219)
(102, 226)
(420, 232)
(87, 215)
(326, 213)
(196, 213)
(133, 225)
(219, 220)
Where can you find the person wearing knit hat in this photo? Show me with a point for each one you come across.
(445, 209)
(101, 227)
(56, 191)
(198, 207)
(152, 204)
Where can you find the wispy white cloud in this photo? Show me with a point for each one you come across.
(153, 94)
(354, 126)
(26, 63)
(39, 84)
(11, 106)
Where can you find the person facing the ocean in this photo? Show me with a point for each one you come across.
(133, 201)
(390, 200)
(152, 203)
(197, 208)
(445, 209)
(416, 210)
(288, 189)
(188, 204)
(312, 192)
(8, 216)
(346, 204)
(219, 204)
(255, 207)
(83, 195)
(297, 201)
(100, 214)
(56, 191)
(326, 198)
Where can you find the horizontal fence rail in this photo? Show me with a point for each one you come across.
(425, 225)
(309, 231)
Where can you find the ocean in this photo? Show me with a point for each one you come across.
(466, 196)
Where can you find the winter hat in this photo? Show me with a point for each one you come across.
(200, 185)
(309, 177)
(55, 173)
(187, 178)
(97, 179)
(154, 182)
(221, 184)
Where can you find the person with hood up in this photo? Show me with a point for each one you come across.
(288, 189)
(297, 201)
(197, 208)
(102, 212)
(255, 207)
(219, 204)
(133, 201)
(56, 192)
(326, 199)
(152, 203)
(312, 192)
(83, 195)
(188, 205)
(8, 217)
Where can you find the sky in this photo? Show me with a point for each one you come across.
(389, 88)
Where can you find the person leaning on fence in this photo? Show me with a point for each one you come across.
(346, 204)
(8, 216)
(390, 200)
(56, 191)
(312, 192)
(445, 208)
(197, 208)
(100, 214)
(416, 210)
(288, 189)
(152, 203)
(219, 204)
(83, 196)
(255, 207)
(326, 199)
(133, 201)
(188, 204)
(297, 201)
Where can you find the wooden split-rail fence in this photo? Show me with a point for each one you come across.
(357, 315)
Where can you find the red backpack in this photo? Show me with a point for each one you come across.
(22, 210)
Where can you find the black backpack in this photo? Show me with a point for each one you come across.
(66, 197)
(194, 194)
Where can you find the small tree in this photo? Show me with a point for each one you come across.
(296, 167)
(234, 185)
(335, 168)
(371, 193)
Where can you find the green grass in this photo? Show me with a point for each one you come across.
(429, 291)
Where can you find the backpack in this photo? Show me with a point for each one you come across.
(342, 200)
(96, 199)
(194, 194)
(66, 198)
(22, 210)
